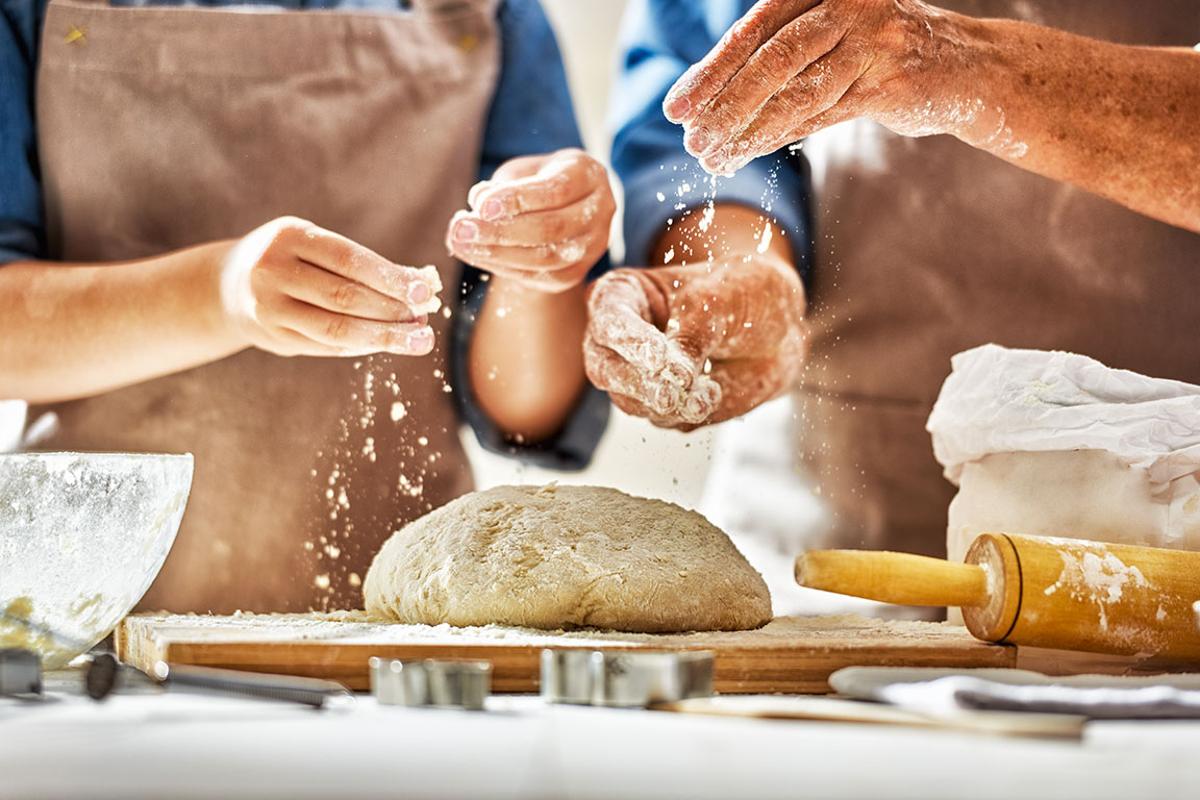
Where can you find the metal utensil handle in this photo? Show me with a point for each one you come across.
(286, 688)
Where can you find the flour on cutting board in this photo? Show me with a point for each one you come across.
(354, 627)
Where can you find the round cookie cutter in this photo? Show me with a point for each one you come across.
(625, 679)
(431, 683)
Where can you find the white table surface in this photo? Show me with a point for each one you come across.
(189, 746)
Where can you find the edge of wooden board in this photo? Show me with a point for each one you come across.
(745, 670)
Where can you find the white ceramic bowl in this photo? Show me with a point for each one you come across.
(82, 536)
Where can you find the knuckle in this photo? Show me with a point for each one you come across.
(554, 228)
(337, 328)
(284, 235)
(594, 170)
(774, 59)
(345, 296)
(608, 201)
(544, 257)
(291, 228)
(599, 375)
(556, 191)
(608, 280)
(393, 336)
(271, 265)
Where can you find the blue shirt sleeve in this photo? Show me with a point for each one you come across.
(661, 39)
(21, 225)
(531, 113)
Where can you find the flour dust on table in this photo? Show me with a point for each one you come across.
(554, 557)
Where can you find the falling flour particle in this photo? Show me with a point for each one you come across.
(321, 582)
(706, 219)
(765, 240)
(661, 197)
(399, 411)
(669, 256)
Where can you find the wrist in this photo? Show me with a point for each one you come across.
(970, 71)
(209, 297)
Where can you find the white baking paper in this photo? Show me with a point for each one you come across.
(998, 400)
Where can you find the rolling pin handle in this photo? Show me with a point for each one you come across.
(900, 578)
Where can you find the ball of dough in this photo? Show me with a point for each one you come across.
(564, 557)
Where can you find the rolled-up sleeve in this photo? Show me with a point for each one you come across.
(22, 233)
(531, 113)
(660, 40)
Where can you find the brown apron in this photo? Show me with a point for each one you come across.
(164, 127)
(933, 248)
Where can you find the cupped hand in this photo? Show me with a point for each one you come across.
(792, 67)
(293, 289)
(685, 346)
(542, 221)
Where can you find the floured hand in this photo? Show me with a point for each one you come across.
(792, 67)
(685, 346)
(542, 221)
(292, 288)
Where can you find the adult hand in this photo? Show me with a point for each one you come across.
(685, 346)
(792, 67)
(292, 288)
(542, 221)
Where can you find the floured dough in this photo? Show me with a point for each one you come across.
(562, 557)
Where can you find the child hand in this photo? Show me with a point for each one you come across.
(542, 221)
(294, 289)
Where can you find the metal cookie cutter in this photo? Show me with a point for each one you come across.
(625, 679)
(20, 673)
(441, 684)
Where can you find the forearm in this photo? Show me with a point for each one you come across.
(526, 360)
(1118, 120)
(74, 330)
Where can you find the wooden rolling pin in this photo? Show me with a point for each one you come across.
(1059, 593)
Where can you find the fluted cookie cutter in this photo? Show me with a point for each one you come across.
(431, 683)
(625, 679)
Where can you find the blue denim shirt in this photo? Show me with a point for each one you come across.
(661, 39)
(531, 112)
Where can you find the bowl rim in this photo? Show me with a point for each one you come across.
(97, 453)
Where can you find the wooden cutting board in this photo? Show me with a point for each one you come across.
(791, 654)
